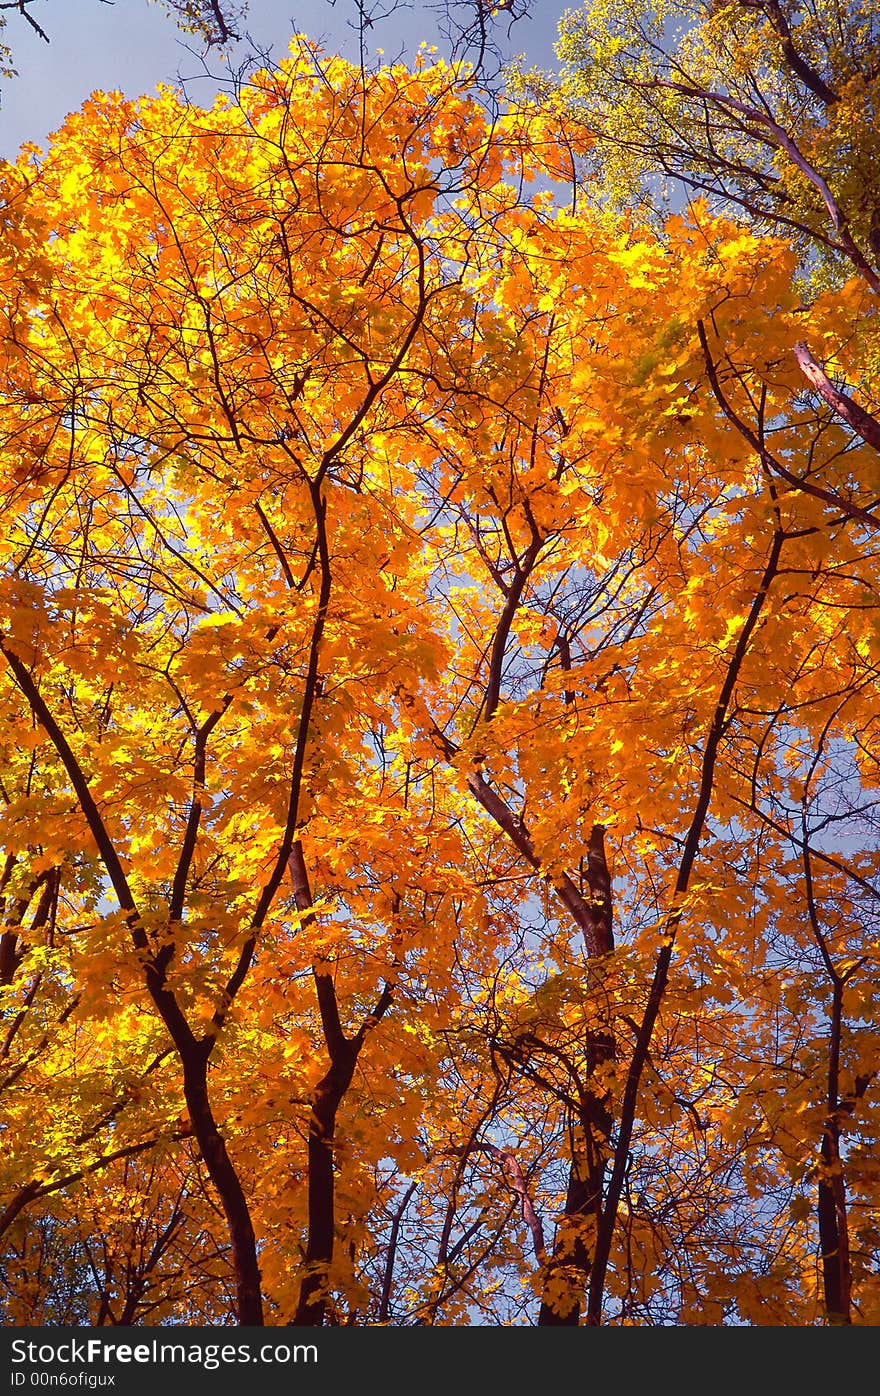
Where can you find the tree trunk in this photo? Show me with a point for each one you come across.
(249, 1303)
(312, 1306)
(568, 1270)
(833, 1230)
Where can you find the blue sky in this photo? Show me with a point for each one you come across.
(132, 45)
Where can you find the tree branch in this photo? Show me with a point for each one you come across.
(863, 423)
(847, 509)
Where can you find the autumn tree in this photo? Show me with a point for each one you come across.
(767, 110)
(214, 378)
(439, 634)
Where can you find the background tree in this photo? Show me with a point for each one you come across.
(769, 108)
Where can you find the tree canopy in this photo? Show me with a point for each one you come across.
(439, 638)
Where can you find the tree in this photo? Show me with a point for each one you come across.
(768, 108)
(212, 21)
(430, 675)
(370, 316)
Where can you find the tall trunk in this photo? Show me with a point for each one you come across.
(343, 1053)
(568, 1270)
(249, 1304)
(312, 1306)
(834, 1230)
(831, 1201)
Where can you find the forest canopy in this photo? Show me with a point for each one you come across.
(438, 689)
